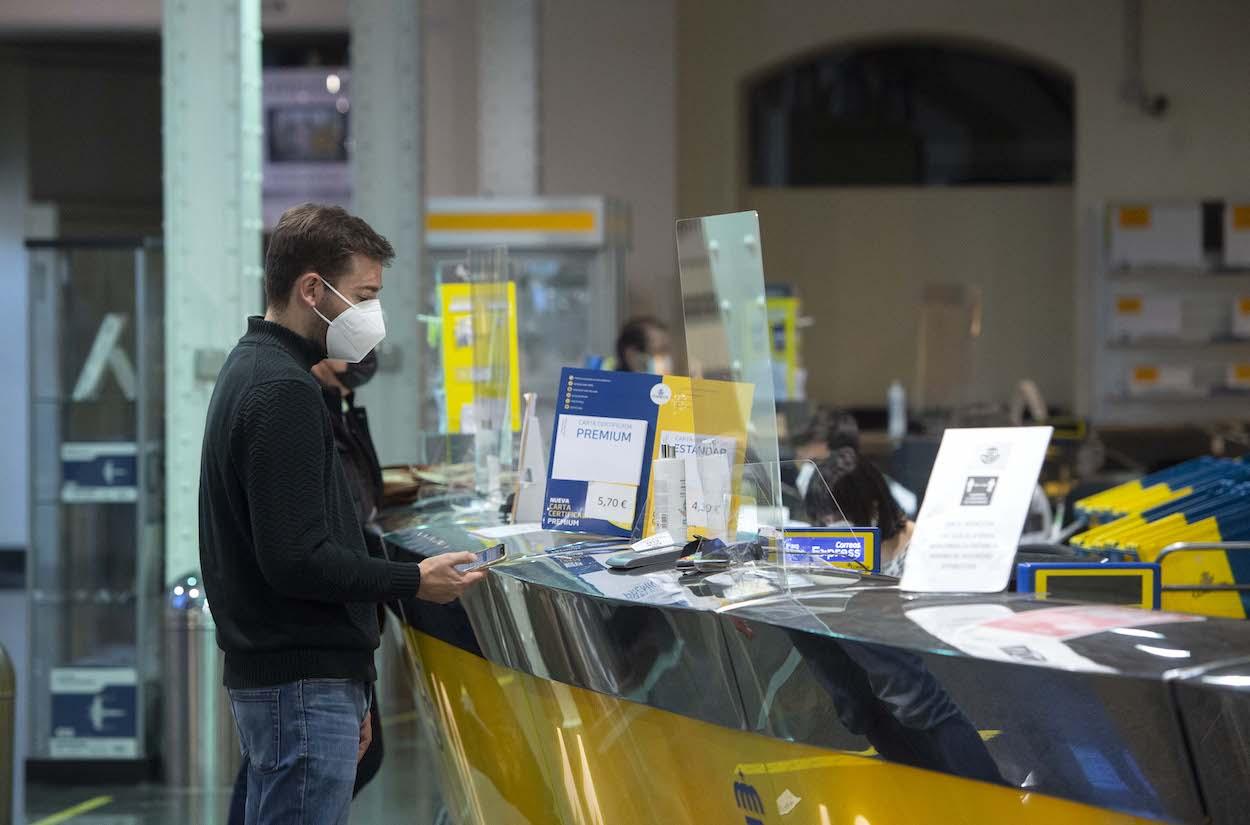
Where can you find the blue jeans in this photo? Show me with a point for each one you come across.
(300, 741)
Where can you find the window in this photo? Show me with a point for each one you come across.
(910, 113)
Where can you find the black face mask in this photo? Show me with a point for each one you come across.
(357, 375)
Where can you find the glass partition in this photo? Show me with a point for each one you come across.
(727, 339)
(96, 560)
(816, 534)
(492, 331)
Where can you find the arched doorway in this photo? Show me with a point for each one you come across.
(910, 112)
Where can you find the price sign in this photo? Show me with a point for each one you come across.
(610, 502)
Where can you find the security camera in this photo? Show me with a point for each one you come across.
(1156, 105)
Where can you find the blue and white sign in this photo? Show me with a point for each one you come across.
(99, 471)
(94, 713)
(854, 547)
(601, 448)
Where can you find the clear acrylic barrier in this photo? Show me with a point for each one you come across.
(489, 277)
(804, 502)
(727, 339)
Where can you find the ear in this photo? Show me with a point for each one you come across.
(307, 291)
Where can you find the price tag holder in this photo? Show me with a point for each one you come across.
(611, 502)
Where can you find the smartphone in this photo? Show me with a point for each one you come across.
(485, 558)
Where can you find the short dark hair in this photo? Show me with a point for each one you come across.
(634, 336)
(316, 237)
(859, 490)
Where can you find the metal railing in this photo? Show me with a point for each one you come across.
(1200, 547)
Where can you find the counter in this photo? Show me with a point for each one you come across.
(564, 692)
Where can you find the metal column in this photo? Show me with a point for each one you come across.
(508, 87)
(389, 194)
(212, 133)
(15, 399)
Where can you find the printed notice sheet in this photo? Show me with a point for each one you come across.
(974, 510)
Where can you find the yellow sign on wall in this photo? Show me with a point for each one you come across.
(783, 323)
(479, 326)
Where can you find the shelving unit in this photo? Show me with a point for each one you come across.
(1151, 318)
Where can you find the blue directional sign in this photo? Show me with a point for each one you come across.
(94, 471)
(94, 713)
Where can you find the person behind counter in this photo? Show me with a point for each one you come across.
(864, 496)
(827, 431)
(644, 346)
(291, 583)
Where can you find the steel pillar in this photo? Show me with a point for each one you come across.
(389, 194)
(508, 87)
(213, 276)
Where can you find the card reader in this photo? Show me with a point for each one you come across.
(632, 559)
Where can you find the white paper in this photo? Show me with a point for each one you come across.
(1241, 316)
(1033, 637)
(787, 802)
(1237, 376)
(659, 587)
(661, 539)
(503, 531)
(969, 628)
(1146, 316)
(610, 502)
(1237, 233)
(1145, 379)
(596, 448)
(468, 418)
(708, 462)
(1171, 234)
(690, 445)
(708, 495)
(974, 509)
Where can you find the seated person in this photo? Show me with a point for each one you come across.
(830, 430)
(863, 495)
(827, 430)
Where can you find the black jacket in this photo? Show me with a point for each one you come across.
(290, 581)
(356, 452)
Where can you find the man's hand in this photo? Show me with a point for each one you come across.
(441, 582)
(366, 736)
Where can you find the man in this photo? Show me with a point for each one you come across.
(339, 380)
(643, 346)
(292, 585)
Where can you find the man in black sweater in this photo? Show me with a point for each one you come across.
(292, 585)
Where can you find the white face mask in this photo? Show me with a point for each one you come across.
(659, 364)
(356, 331)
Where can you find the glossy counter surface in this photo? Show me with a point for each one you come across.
(1139, 712)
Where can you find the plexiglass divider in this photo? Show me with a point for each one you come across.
(727, 340)
(809, 514)
(489, 276)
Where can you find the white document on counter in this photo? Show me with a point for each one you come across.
(974, 510)
(503, 531)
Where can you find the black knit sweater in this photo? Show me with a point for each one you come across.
(289, 579)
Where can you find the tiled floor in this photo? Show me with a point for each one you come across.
(405, 792)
